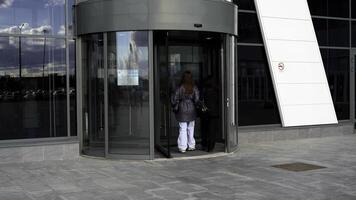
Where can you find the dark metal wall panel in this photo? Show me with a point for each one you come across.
(122, 15)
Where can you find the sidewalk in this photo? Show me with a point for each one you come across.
(246, 175)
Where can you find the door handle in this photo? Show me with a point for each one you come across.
(231, 112)
(165, 120)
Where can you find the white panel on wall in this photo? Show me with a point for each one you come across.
(293, 51)
(313, 73)
(273, 29)
(293, 9)
(295, 63)
(308, 114)
(303, 94)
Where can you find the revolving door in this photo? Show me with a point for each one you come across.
(126, 71)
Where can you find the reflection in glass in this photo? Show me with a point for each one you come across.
(200, 53)
(257, 101)
(36, 15)
(128, 90)
(72, 88)
(93, 95)
(336, 63)
(32, 100)
(70, 5)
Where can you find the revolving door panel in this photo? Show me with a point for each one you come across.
(115, 89)
(93, 118)
(202, 54)
(128, 93)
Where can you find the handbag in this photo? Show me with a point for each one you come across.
(175, 108)
(202, 108)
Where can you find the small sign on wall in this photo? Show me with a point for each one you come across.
(127, 77)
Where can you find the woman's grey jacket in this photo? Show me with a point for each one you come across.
(184, 104)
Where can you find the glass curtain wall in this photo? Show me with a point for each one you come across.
(256, 98)
(34, 66)
(332, 21)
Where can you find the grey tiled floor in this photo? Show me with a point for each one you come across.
(244, 175)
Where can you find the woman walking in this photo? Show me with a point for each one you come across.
(184, 102)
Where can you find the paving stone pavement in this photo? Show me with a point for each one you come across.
(246, 174)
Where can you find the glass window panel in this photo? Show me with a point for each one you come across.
(320, 26)
(9, 57)
(336, 63)
(70, 16)
(249, 29)
(331, 8)
(353, 8)
(339, 8)
(339, 33)
(57, 69)
(128, 93)
(93, 95)
(33, 95)
(72, 88)
(257, 101)
(353, 56)
(32, 17)
(245, 4)
(332, 32)
(44, 86)
(353, 35)
(181, 54)
(318, 7)
(10, 114)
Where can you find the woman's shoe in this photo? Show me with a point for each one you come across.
(181, 150)
(191, 149)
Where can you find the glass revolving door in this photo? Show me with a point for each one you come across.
(93, 95)
(128, 95)
(127, 79)
(115, 87)
(205, 55)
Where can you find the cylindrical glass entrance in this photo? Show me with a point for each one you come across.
(131, 56)
(127, 82)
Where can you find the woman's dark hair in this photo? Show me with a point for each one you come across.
(187, 82)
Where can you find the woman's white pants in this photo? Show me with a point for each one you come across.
(186, 135)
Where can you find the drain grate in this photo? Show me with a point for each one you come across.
(298, 167)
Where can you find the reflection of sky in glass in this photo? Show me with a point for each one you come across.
(34, 51)
(70, 16)
(38, 14)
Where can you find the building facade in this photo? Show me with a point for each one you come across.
(38, 79)
(334, 24)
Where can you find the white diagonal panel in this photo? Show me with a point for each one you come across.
(301, 87)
